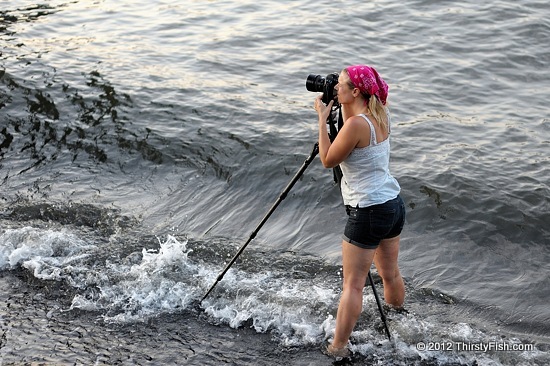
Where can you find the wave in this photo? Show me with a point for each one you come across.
(290, 296)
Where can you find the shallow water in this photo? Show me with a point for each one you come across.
(142, 142)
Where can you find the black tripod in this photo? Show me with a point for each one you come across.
(282, 196)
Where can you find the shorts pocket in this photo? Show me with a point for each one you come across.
(381, 221)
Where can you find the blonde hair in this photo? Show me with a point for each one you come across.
(379, 112)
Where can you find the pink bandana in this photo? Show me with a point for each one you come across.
(367, 80)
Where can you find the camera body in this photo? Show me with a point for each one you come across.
(325, 85)
(319, 84)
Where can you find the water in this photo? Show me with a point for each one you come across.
(141, 142)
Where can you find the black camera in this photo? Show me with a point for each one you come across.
(319, 84)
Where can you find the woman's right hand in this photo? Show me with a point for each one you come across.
(322, 110)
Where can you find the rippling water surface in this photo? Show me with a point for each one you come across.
(141, 142)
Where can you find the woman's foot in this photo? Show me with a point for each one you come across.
(396, 309)
(338, 353)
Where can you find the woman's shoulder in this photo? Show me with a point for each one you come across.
(359, 127)
(357, 124)
(357, 120)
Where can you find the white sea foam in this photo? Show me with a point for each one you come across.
(45, 252)
(163, 281)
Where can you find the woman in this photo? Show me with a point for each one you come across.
(371, 195)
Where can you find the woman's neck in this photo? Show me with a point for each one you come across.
(354, 109)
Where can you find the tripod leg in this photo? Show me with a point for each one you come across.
(382, 314)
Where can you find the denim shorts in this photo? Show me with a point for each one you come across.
(367, 226)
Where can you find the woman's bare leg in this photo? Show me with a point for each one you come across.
(356, 263)
(385, 261)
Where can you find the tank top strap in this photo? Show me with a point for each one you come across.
(372, 130)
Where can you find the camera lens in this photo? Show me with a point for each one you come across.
(315, 83)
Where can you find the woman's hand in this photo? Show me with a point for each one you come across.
(333, 153)
(322, 110)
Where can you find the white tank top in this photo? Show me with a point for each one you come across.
(366, 179)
